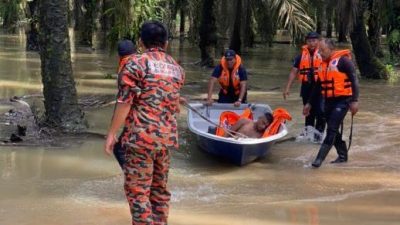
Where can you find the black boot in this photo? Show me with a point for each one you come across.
(341, 149)
(323, 151)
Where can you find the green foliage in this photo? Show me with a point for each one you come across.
(10, 13)
(393, 73)
(129, 15)
(293, 16)
(394, 44)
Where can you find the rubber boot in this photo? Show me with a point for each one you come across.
(341, 149)
(323, 152)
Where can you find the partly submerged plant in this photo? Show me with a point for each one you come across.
(129, 15)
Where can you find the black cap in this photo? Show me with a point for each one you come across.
(153, 34)
(126, 47)
(312, 35)
(230, 54)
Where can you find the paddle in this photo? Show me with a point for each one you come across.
(231, 133)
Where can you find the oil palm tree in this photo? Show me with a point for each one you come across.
(352, 13)
(130, 14)
(293, 16)
(61, 105)
(235, 21)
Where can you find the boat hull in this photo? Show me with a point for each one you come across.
(237, 154)
(238, 151)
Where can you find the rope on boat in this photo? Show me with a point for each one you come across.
(231, 133)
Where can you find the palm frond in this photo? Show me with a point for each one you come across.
(293, 16)
(129, 16)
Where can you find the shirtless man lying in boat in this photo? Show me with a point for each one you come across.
(250, 128)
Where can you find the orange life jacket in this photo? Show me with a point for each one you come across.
(280, 116)
(234, 75)
(122, 62)
(228, 118)
(305, 64)
(333, 82)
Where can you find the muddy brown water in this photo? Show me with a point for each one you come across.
(78, 184)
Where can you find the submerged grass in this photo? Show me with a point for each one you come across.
(394, 74)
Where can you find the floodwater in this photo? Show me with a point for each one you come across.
(80, 185)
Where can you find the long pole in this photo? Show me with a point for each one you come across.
(231, 133)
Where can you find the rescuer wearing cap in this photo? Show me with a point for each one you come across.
(306, 67)
(232, 77)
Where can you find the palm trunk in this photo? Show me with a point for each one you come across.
(78, 14)
(320, 16)
(329, 15)
(207, 32)
(32, 34)
(247, 25)
(236, 42)
(224, 9)
(87, 24)
(61, 104)
(106, 21)
(374, 28)
(182, 25)
(262, 12)
(342, 29)
(173, 7)
(369, 65)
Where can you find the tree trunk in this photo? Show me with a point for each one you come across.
(182, 25)
(247, 25)
(262, 12)
(236, 42)
(86, 24)
(224, 9)
(78, 14)
(320, 16)
(32, 34)
(374, 28)
(61, 104)
(207, 32)
(70, 12)
(342, 29)
(174, 7)
(329, 15)
(369, 65)
(106, 21)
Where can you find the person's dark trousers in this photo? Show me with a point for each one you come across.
(230, 98)
(316, 118)
(335, 111)
(119, 153)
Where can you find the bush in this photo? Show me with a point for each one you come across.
(393, 73)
